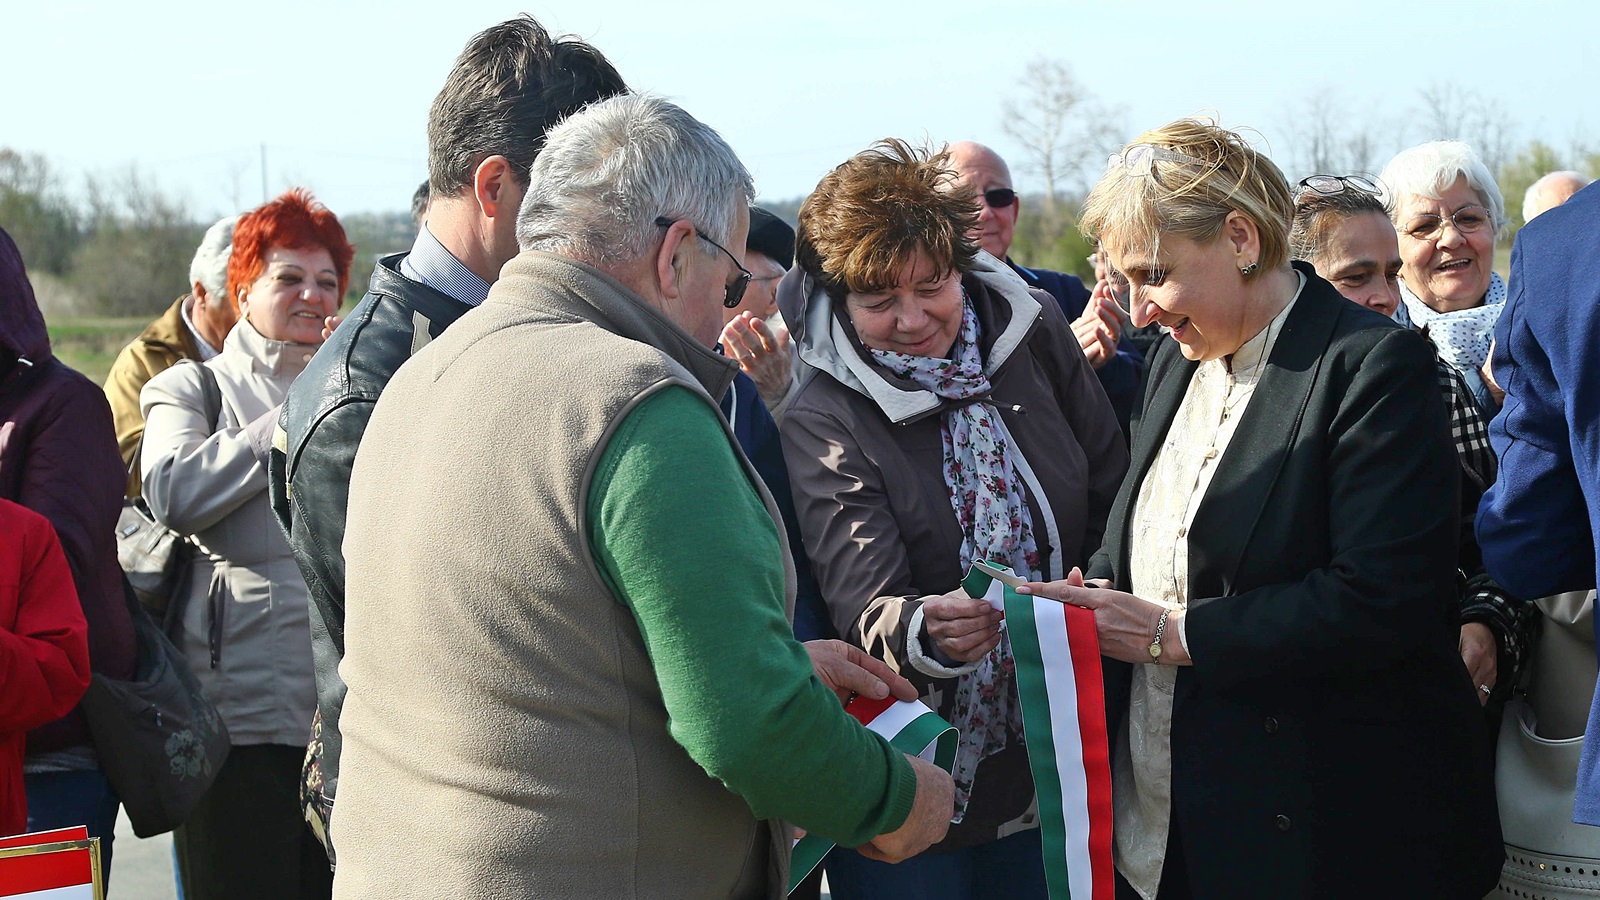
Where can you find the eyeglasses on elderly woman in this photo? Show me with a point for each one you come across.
(1466, 220)
(1329, 185)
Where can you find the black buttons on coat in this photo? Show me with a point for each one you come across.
(1283, 823)
(1271, 725)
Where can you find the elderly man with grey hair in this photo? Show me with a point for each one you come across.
(570, 670)
(193, 327)
(1550, 191)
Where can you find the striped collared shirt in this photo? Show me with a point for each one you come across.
(430, 263)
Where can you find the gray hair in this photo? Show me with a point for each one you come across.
(608, 172)
(1539, 197)
(1428, 170)
(210, 265)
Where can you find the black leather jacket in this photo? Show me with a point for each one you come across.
(326, 413)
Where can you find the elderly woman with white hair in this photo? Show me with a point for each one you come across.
(1447, 209)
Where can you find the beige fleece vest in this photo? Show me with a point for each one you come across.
(504, 734)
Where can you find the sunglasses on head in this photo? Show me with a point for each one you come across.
(734, 291)
(999, 198)
(1329, 185)
(1139, 160)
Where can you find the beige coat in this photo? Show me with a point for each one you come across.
(156, 349)
(504, 732)
(214, 486)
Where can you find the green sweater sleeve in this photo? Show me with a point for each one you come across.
(686, 543)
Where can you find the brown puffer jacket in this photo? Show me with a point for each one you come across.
(865, 457)
(156, 349)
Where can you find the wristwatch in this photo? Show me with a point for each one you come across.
(1161, 630)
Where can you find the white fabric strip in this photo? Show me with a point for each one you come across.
(1062, 684)
(893, 720)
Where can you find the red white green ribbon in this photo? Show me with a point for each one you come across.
(909, 727)
(1057, 653)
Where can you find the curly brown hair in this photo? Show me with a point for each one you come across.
(868, 218)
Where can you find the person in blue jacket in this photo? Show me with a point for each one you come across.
(1537, 524)
(1096, 325)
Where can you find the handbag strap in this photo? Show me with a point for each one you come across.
(210, 404)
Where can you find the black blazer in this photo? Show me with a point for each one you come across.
(1327, 741)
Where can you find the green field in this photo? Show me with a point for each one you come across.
(91, 344)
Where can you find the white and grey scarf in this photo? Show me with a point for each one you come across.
(1462, 336)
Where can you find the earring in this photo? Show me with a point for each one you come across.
(1250, 269)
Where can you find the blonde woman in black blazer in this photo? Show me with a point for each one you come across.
(1276, 593)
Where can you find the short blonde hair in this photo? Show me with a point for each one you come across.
(1191, 197)
(870, 216)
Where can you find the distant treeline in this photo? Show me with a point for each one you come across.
(123, 249)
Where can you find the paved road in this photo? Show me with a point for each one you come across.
(141, 869)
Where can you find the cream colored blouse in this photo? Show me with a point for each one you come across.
(1158, 568)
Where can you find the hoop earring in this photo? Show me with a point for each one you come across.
(1251, 269)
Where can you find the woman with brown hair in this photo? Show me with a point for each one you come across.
(947, 414)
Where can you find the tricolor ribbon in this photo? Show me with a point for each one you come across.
(909, 727)
(1057, 653)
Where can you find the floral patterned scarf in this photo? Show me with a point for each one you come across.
(990, 503)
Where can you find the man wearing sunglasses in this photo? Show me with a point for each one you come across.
(1095, 320)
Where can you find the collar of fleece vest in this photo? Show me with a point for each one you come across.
(565, 288)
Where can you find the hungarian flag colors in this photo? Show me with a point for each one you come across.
(49, 865)
(908, 727)
(1057, 654)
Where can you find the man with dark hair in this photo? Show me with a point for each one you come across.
(511, 83)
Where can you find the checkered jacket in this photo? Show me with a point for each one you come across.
(1482, 599)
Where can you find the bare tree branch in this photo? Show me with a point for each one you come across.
(1449, 112)
(1062, 129)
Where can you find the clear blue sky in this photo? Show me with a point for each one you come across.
(339, 91)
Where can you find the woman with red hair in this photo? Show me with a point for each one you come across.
(244, 623)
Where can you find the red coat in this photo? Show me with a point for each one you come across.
(44, 646)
